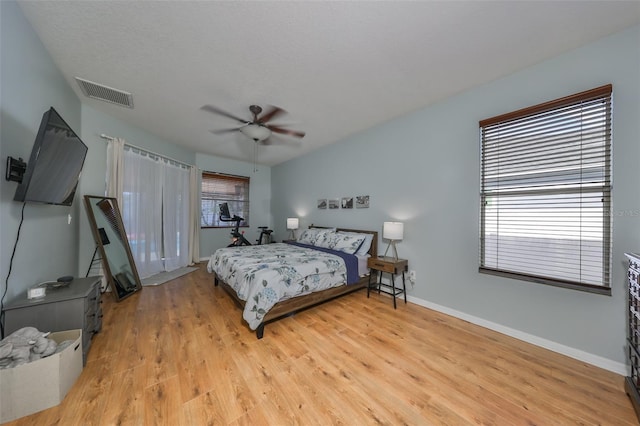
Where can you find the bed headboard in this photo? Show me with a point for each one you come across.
(373, 250)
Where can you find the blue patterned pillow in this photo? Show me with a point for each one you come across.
(348, 243)
(366, 244)
(311, 236)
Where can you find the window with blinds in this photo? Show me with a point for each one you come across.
(546, 192)
(219, 188)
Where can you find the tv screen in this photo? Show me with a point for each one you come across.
(55, 163)
(224, 211)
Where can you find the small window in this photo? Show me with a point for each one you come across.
(545, 196)
(219, 188)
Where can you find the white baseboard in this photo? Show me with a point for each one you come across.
(578, 354)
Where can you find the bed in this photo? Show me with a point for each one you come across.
(273, 281)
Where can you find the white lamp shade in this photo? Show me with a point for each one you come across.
(393, 231)
(255, 132)
(292, 223)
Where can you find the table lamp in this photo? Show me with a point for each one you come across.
(393, 231)
(292, 225)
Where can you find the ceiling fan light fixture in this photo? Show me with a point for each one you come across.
(256, 132)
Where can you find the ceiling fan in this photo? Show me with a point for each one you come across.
(258, 129)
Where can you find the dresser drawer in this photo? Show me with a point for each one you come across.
(381, 266)
(92, 301)
(387, 264)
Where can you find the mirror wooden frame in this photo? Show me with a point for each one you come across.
(111, 239)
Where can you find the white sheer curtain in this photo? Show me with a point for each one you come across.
(142, 210)
(194, 216)
(115, 169)
(175, 209)
(159, 201)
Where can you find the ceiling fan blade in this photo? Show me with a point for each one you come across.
(216, 110)
(271, 114)
(296, 133)
(223, 131)
(274, 140)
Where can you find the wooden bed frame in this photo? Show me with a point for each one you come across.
(299, 303)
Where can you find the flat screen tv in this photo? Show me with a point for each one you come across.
(55, 163)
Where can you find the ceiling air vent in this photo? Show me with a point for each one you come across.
(104, 93)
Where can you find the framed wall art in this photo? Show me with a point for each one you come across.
(347, 203)
(362, 202)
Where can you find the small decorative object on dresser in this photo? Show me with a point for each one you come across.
(632, 383)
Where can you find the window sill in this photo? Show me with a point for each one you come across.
(223, 227)
(589, 288)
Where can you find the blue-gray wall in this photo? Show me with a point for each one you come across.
(423, 169)
(49, 247)
(95, 123)
(30, 83)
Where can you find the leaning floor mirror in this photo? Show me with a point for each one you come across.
(111, 239)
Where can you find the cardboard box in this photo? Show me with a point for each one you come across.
(41, 384)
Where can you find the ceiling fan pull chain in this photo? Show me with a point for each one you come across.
(255, 157)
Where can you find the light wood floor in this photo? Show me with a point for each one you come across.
(179, 354)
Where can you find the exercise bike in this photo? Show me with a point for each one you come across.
(265, 235)
(237, 237)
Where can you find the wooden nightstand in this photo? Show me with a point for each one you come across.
(392, 266)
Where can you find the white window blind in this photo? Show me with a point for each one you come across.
(546, 192)
(219, 188)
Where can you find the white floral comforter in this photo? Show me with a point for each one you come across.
(263, 275)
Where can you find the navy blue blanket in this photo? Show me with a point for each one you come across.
(349, 259)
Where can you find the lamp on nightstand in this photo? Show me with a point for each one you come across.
(292, 225)
(393, 231)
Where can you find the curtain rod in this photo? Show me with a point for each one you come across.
(111, 138)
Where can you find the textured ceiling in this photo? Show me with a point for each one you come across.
(336, 67)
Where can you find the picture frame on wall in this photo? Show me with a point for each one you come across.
(347, 203)
(334, 203)
(322, 203)
(362, 202)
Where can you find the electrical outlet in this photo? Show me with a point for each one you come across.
(412, 276)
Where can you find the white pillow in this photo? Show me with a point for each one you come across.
(366, 244)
